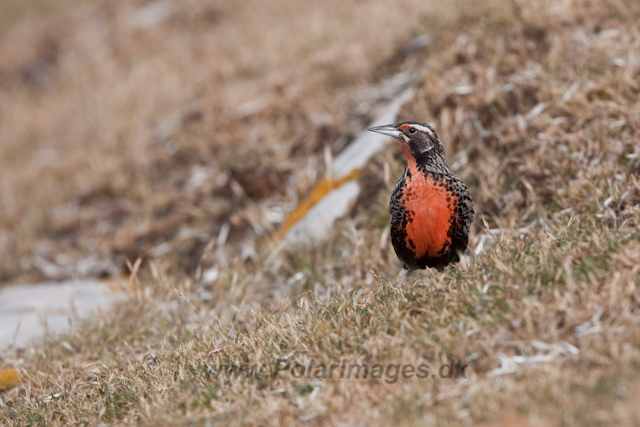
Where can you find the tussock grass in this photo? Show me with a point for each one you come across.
(537, 105)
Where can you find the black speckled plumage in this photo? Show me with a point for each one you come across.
(431, 209)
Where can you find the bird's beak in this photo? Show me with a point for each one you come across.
(391, 130)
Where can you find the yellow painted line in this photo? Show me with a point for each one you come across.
(323, 188)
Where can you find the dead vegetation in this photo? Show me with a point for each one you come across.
(187, 142)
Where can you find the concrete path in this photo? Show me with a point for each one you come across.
(31, 311)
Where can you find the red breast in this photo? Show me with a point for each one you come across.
(431, 208)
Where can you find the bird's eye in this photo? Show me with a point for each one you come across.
(412, 130)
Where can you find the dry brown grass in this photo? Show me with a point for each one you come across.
(118, 119)
(538, 107)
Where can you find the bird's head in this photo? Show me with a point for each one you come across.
(418, 140)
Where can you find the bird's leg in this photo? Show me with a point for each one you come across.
(405, 277)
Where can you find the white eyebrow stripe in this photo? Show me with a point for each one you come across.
(424, 129)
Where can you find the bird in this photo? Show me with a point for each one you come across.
(431, 208)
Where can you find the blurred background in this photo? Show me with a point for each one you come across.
(138, 129)
(150, 129)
